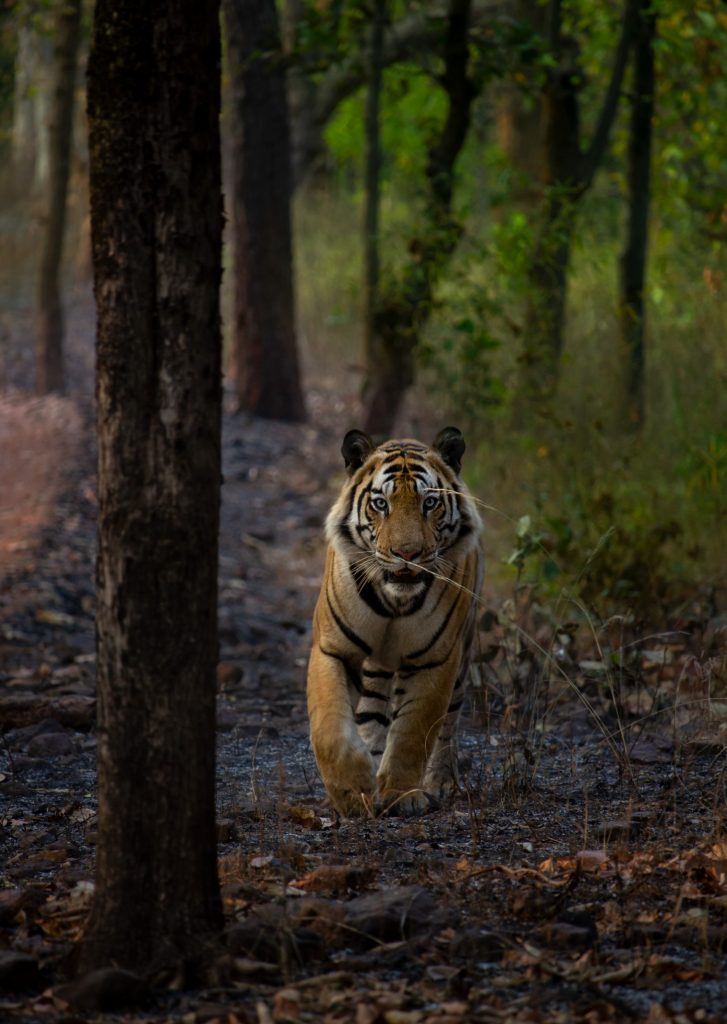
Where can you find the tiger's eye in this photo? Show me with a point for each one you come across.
(380, 504)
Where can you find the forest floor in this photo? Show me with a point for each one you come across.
(581, 874)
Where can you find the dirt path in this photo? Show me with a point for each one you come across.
(573, 878)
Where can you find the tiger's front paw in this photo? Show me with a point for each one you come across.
(402, 798)
(443, 784)
(351, 782)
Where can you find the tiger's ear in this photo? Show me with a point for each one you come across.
(355, 449)
(450, 445)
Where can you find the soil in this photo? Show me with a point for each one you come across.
(581, 874)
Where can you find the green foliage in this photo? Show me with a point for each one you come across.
(626, 524)
(414, 107)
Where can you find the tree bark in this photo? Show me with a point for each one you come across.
(519, 124)
(405, 307)
(153, 108)
(569, 174)
(49, 311)
(264, 358)
(372, 184)
(633, 259)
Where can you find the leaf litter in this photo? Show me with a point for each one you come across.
(580, 874)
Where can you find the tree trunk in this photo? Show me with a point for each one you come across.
(372, 186)
(264, 358)
(31, 94)
(569, 173)
(519, 123)
(153, 108)
(49, 311)
(404, 309)
(633, 260)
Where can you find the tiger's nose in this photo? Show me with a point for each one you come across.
(407, 553)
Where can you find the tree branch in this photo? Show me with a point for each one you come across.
(591, 159)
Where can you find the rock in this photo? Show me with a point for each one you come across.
(475, 944)
(394, 915)
(278, 941)
(52, 744)
(11, 901)
(652, 750)
(22, 709)
(106, 989)
(18, 739)
(18, 972)
(75, 711)
(324, 918)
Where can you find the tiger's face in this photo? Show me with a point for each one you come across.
(403, 514)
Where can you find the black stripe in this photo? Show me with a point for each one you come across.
(351, 673)
(373, 694)
(442, 626)
(455, 706)
(370, 674)
(420, 599)
(368, 594)
(346, 630)
(464, 530)
(362, 717)
(406, 670)
(361, 495)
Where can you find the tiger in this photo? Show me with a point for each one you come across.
(393, 626)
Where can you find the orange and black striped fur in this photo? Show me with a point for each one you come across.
(393, 626)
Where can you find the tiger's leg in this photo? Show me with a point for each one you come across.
(442, 775)
(345, 764)
(441, 778)
(373, 711)
(421, 701)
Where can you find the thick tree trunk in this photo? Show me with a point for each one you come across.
(372, 183)
(49, 310)
(633, 260)
(153, 107)
(263, 358)
(405, 307)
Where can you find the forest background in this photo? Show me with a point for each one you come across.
(509, 216)
(518, 225)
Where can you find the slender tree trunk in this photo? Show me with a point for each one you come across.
(633, 259)
(153, 108)
(372, 187)
(49, 310)
(404, 308)
(569, 174)
(264, 358)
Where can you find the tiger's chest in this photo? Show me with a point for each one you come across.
(391, 638)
